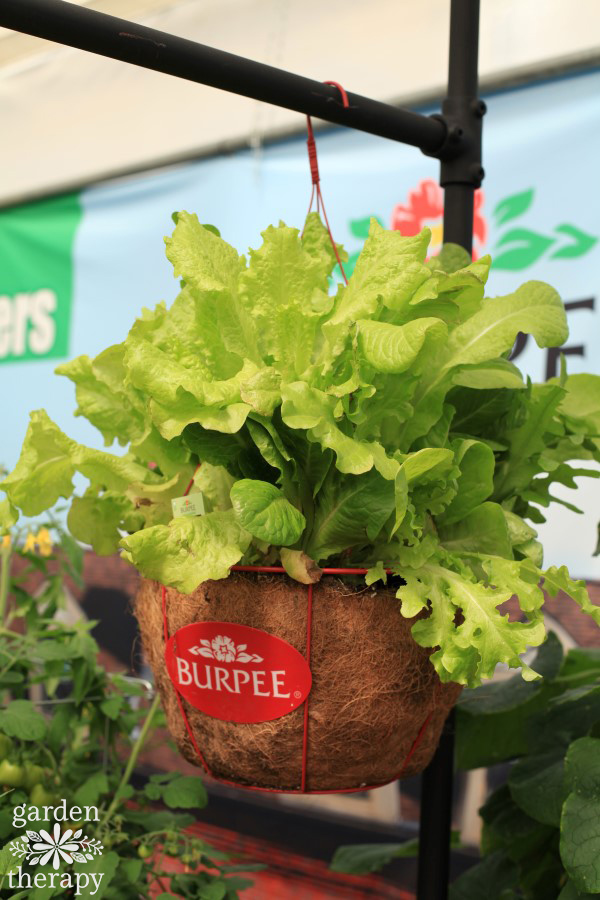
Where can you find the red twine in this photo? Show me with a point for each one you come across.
(315, 177)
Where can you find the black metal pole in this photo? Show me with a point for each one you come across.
(461, 174)
(86, 29)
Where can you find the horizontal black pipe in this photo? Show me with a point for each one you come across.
(86, 29)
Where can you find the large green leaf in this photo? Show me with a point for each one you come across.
(392, 349)
(492, 878)
(390, 267)
(535, 308)
(580, 822)
(349, 512)
(262, 510)
(20, 719)
(188, 550)
(476, 480)
(105, 398)
(491, 374)
(482, 530)
(278, 288)
(317, 242)
(212, 268)
(97, 520)
(44, 471)
(361, 859)
(537, 785)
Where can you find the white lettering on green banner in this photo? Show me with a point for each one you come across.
(36, 278)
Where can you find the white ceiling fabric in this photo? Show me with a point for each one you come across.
(71, 117)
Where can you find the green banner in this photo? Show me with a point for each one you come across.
(36, 278)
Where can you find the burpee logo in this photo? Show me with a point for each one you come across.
(36, 278)
(237, 673)
(58, 847)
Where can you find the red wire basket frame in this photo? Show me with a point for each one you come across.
(279, 570)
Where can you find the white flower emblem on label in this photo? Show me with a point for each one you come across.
(59, 847)
(224, 649)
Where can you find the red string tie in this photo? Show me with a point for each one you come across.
(315, 178)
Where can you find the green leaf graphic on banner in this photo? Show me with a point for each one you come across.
(528, 247)
(36, 278)
(510, 207)
(581, 243)
(360, 227)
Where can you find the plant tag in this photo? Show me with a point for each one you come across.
(192, 505)
(237, 673)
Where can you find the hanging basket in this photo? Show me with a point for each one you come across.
(274, 685)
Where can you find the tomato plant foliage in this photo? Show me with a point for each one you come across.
(541, 829)
(78, 743)
(381, 426)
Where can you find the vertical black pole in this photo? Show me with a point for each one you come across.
(461, 174)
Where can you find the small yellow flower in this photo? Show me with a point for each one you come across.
(6, 542)
(29, 545)
(44, 542)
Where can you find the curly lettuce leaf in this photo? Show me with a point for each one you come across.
(105, 398)
(99, 520)
(278, 288)
(188, 551)
(45, 470)
(465, 624)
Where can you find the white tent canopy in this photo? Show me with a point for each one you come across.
(71, 117)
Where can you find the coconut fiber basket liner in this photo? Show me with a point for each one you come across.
(376, 707)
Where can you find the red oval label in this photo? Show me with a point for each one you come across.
(237, 673)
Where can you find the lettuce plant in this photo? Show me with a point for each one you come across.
(383, 426)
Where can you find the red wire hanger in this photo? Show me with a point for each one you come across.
(315, 177)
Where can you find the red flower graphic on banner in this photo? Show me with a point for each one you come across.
(426, 207)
